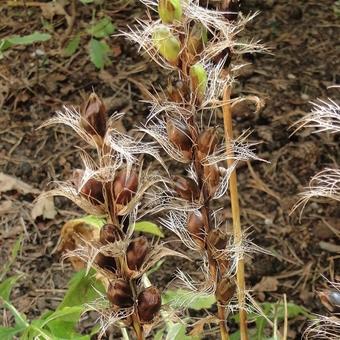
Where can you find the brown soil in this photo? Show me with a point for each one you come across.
(36, 80)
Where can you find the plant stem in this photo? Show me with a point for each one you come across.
(235, 209)
(223, 328)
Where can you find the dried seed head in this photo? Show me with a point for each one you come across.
(169, 10)
(198, 37)
(186, 188)
(225, 290)
(149, 304)
(125, 186)
(166, 43)
(199, 80)
(207, 142)
(93, 191)
(106, 262)
(119, 293)
(136, 252)
(196, 226)
(93, 116)
(181, 138)
(211, 177)
(110, 233)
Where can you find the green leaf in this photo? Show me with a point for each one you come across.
(92, 220)
(8, 333)
(82, 289)
(85, 2)
(6, 287)
(176, 331)
(72, 46)
(148, 227)
(99, 52)
(4, 45)
(102, 28)
(192, 300)
(15, 250)
(20, 319)
(29, 39)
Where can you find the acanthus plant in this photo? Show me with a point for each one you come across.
(112, 187)
(199, 47)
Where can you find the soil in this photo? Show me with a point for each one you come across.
(36, 80)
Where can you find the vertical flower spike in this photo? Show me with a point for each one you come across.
(166, 44)
(94, 117)
(169, 10)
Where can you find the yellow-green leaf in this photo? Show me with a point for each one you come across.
(148, 227)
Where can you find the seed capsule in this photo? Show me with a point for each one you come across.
(110, 233)
(199, 80)
(207, 142)
(166, 43)
(119, 293)
(181, 138)
(196, 227)
(186, 188)
(136, 252)
(93, 116)
(225, 290)
(211, 177)
(217, 239)
(198, 37)
(331, 300)
(93, 191)
(106, 262)
(125, 186)
(169, 10)
(149, 304)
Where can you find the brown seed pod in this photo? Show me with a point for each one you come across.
(93, 116)
(110, 233)
(197, 38)
(186, 188)
(93, 191)
(149, 304)
(106, 262)
(125, 186)
(196, 226)
(211, 176)
(225, 290)
(331, 300)
(180, 136)
(119, 293)
(207, 142)
(217, 239)
(136, 252)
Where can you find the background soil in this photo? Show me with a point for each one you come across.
(36, 80)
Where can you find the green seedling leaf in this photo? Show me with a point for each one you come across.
(169, 10)
(82, 289)
(6, 287)
(102, 28)
(176, 331)
(192, 300)
(148, 227)
(166, 43)
(29, 39)
(71, 46)
(99, 52)
(92, 220)
(15, 250)
(8, 333)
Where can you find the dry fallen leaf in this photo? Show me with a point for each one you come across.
(267, 284)
(8, 183)
(44, 207)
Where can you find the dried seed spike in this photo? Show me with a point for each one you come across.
(181, 138)
(211, 176)
(110, 233)
(106, 262)
(136, 252)
(169, 10)
(217, 239)
(196, 226)
(149, 304)
(93, 191)
(186, 188)
(119, 293)
(225, 290)
(93, 116)
(125, 186)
